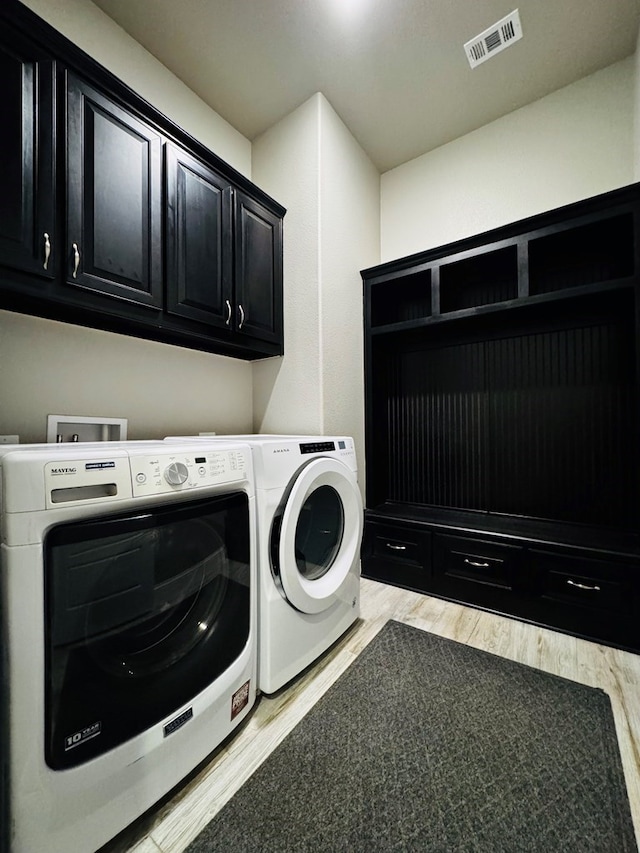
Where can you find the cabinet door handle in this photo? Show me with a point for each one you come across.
(228, 320)
(396, 547)
(583, 586)
(76, 259)
(47, 250)
(241, 310)
(476, 564)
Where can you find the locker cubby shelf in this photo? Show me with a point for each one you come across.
(571, 258)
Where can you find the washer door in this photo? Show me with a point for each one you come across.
(145, 610)
(319, 535)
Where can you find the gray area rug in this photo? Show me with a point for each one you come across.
(425, 744)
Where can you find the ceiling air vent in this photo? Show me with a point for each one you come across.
(494, 39)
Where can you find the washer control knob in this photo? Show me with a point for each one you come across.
(176, 474)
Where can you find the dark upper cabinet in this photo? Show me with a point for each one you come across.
(224, 253)
(258, 269)
(198, 240)
(28, 238)
(113, 217)
(113, 168)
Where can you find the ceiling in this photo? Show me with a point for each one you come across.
(394, 70)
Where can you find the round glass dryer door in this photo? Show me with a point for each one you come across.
(318, 538)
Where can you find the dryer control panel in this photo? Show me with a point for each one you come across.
(318, 446)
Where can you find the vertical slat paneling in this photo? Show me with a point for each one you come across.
(436, 409)
(538, 424)
(561, 415)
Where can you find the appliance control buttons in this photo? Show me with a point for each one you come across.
(176, 474)
(141, 478)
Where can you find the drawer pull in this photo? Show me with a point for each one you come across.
(47, 250)
(396, 547)
(228, 320)
(583, 586)
(476, 564)
(76, 259)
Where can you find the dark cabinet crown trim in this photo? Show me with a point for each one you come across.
(118, 218)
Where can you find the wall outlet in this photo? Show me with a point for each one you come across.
(9, 439)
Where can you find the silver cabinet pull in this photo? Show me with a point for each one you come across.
(76, 259)
(396, 547)
(241, 310)
(47, 250)
(583, 586)
(228, 304)
(476, 564)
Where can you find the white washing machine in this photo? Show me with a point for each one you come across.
(128, 619)
(310, 521)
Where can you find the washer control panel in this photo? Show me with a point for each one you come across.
(175, 471)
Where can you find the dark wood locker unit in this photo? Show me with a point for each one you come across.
(502, 413)
(28, 233)
(176, 247)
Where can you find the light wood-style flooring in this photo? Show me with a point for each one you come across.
(174, 824)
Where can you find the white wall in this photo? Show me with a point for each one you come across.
(58, 369)
(313, 165)
(287, 392)
(349, 242)
(53, 368)
(572, 144)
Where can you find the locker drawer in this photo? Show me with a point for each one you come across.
(475, 561)
(462, 562)
(397, 546)
(397, 554)
(585, 583)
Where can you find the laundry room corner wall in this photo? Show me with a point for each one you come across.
(331, 232)
(349, 242)
(287, 395)
(48, 367)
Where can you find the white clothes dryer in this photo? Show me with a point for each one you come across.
(310, 522)
(128, 620)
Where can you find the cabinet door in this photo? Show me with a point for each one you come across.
(27, 200)
(258, 270)
(198, 241)
(113, 196)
